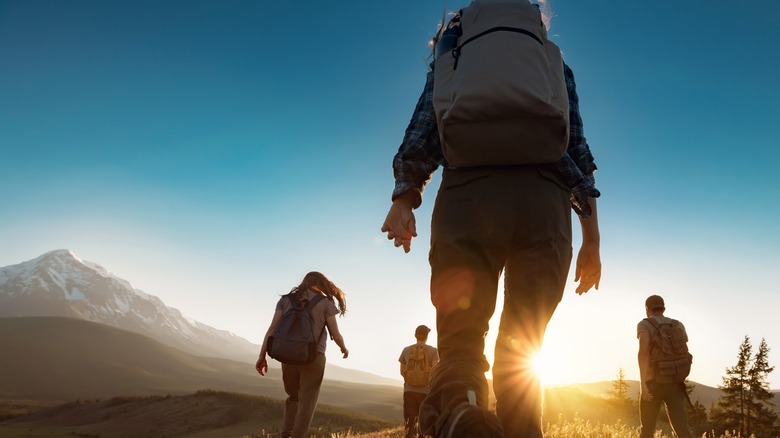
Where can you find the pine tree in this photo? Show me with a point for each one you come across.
(762, 417)
(619, 391)
(730, 411)
(697, 413)
(745, 406)
(625, 406)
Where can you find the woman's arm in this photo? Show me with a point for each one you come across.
(333, 328)
(262, 363)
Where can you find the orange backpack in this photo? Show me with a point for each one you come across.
(418, 367)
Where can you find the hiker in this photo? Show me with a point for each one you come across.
(416, 360)
(302, 381)
(494, 213)
(662, 369)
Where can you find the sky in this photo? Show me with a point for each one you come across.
(212, 153)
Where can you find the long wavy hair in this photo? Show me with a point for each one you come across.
(544, 8)
(318, 283)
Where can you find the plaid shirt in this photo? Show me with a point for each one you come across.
(420, 153)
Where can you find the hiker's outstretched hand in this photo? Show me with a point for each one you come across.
(400, 224)
(262, 365)
(588, 270)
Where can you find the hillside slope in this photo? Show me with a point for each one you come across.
(63, 359)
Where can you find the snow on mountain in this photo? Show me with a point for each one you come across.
(58, 283)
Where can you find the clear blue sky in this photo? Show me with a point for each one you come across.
(212, 153)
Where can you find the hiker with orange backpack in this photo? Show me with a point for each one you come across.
(500, 113)
(664, 364)
(417, 361)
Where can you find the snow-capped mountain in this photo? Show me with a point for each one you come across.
(60, 284)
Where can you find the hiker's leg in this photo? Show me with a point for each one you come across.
(675, 399)
(466, 260)
(412, 402)
(291, 378)
(648, 411)
(311, 380)
(535, 276)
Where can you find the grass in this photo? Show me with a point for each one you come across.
(216, 414)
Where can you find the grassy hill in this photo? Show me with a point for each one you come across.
(125, 382)
(60, 359)
(201, 415)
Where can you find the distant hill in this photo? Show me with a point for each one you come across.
(63, 359)
(706, 395)
(703, 393)
(58, 283)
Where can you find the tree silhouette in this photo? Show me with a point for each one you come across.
(746, 402)
(619, 391)
(625, 407)
(697, 413)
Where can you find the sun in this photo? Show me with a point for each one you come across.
(549, 368)
(544, 367)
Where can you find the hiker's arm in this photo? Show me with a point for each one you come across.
(418, 157)
(643, 357)
(588, 270)
(400, 224)
(333, 328)
(262, 363)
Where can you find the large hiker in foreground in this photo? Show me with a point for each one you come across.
(499, 112)
(417, 361)
(664, 364)
(297, 338)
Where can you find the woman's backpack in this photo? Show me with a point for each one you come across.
(294, 341)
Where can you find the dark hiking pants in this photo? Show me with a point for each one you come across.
(515, 220)
(412, 402)
(302, 385)
(674, 397)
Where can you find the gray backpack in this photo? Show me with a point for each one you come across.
(499, 92)
(294, 341)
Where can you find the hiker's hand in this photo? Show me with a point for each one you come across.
(345, 352)
(261, 366)
(400, 224)
(588, 270)
(646, 394)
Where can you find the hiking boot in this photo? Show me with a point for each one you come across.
(471, 421)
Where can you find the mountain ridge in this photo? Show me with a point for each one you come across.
(59, 283)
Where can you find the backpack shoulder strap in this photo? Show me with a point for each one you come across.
(310, 305)
(656, 325)
(312, 302)
(293, 299)
(656, 329)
